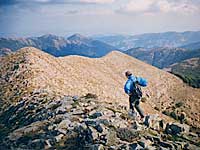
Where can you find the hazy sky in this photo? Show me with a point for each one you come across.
(91, 17)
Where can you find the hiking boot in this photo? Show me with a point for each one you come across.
(132, 114)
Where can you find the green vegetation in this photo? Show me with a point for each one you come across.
(75, 104)
(188, 71)
(90, 95)
(179, 104)
(174, 115)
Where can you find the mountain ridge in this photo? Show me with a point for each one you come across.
(59, 46)
(72, 75)
(164, 56)
(152, 40)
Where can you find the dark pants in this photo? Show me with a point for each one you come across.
(135, 102)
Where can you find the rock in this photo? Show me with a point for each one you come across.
(95, 115)
(156, 139)
(135, 146)
(144, 143)
(111, 137)
(104, 121)
(32, 128)
(75, 98)
(31, 107)
(63, 131)
(162, 125)
(190, 147)
(124, 147)
(119, 123)
(166, 145)
(95, 134)
(112, 147)
(179, 145)
(108, 113)
(64, 124)
(89, 108)
(59, 137)
(182, 117)
(37, 144)
(95, 127)
(102, 139)
(152, 132)
(151, 148)
(129, 135)
(53, 105)
(135, 125)
(186, 147)
(48, 144)
(98, 128)
(176, 128)
(154, 122)
(78, 112)
(94, 147)
(185, 127)
(193, 135)
(61, 111)
(84, 134)
(90, 122)
(67, 98)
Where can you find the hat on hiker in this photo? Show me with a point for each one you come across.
(128, 73)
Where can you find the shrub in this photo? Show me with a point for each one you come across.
(173, 115)
(179, 104)
(143, 99)
(156, 108)
(90, 95)
(165, 112)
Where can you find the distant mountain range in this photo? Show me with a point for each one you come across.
(158, 49)
(59, 46)
(152, 40)
(163, 57)
(192, 46)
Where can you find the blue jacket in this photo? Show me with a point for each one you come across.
(128, 87)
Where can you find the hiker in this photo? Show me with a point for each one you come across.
(132, 88)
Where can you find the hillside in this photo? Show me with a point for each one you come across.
(164, 56)
(59, 46)
(76, 75)
(192, 46)
(188, 70)
(45, 103)
(152, 40)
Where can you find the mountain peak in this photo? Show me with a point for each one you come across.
(77, 37)
(50, 36)
(115, 53)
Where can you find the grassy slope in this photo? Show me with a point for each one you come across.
(188, 71)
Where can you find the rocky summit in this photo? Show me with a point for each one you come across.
(76, 102)
(46, 121)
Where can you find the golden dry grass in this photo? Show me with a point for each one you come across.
(76, 75)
